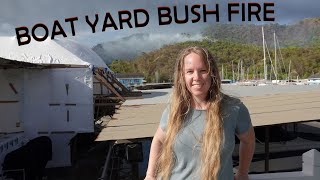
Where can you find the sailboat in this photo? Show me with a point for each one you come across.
(273, 66)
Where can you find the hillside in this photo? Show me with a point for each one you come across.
(305, 61)
(230, 43)
(130, 47)
(303, 33)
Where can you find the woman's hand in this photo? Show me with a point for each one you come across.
(149, 177)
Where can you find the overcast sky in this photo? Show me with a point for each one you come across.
(16, 13)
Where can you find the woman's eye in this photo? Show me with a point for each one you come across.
(204, 71)
(189, 72)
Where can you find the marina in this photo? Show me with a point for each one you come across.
(114, 136)
(117, 146)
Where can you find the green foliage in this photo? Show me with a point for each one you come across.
(122, 66)
(303, 33)
(232, 43)
(304, 61)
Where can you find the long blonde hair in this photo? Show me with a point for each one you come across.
(180, 104)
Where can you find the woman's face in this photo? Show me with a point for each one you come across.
(197, 76)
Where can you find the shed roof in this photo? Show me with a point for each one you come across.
(52, 52)
(5, 63)
(140, 121)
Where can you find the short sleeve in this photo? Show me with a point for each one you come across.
(164, 119)
(243, 120)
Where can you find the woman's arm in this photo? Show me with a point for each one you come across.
(155, 150)
(246, 151)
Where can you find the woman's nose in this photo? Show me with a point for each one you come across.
(196, 75)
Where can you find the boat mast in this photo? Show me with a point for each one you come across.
(238, 71)
(242, 73)
(222, 73)
(289, 71)
(264, 56)
(275, 56)
(232, 73)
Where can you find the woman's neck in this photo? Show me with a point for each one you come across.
(199, 104)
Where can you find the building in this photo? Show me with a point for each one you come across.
(130, 79)
(47, 89)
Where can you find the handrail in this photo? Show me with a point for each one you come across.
(105, 167)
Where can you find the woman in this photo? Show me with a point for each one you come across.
(195, 138)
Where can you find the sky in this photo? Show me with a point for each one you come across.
(18, 13)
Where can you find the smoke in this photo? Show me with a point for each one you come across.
(151, 41)
(134, 45)
(5, 29)
(16, 13)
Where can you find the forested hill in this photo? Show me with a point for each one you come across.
(302, 33)
(232, 43)
(305, 61)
